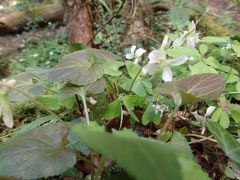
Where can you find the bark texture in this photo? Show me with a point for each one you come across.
(80, 28)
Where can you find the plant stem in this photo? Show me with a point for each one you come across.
(41, 105)
(167, 123)
(135, 78)
(203, 138)
(82, 94)
(111, 86)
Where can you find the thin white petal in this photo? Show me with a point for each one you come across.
(165, 42)
(177, 61)
(136, 61)
(156, 56)
(133, 48)
(8, 119)
(129, 56)
(167, 73)
(210, 110)
(150, 69)
(179, 41)
(139, 52)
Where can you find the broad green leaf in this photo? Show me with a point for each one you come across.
(203, 86)
(142, 158)
(132, 68)
(70, 89)
(191, 170)
(201, 68)
(25, 83)
(113, 110)
(236, 48)
(179, 17)
(5, 111)
(216, 115)
(151, 115)
(225, 140)
(51, 101)
(224, 120)
(213, 39)
(111, 68)
(180, 145)
(81, 67)
(211, 61)
(36, 153)
(33, 124)
(203, 48)
(235, 115)
(179, 51)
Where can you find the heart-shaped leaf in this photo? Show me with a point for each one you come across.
(80, 68)
(143, 158)
(202, 86)
(36, 153)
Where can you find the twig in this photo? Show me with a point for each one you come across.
(107, 22)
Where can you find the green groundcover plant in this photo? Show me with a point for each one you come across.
(182, 70)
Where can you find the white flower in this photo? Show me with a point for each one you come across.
(50, 53)
(190, 37)
(166, 42)
(229, 46)
(209, 111)
(135, 54)
(35, 55)
(157, 57)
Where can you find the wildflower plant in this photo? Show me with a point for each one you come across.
(143, 90)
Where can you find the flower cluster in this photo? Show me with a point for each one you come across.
(158, 57)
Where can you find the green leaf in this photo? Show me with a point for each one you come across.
(151, 115)
(191, 170)
(178, 51)
(236, 48)
(80, 67)
(132, 68)
(225, 140)
(70, 90)
(113, 110)
(33, 124)
(221, 117)
(142, 158)
(25, 84)
(213, 39)
(180, 145)
(179, 17)
(111, 68)
(203, 48)
(51, 101)
(202, 86)
(132, 101)
(235, 115)
(201, 68)
(36, 153)
(211, 61)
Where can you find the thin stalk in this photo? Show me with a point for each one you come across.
(85, 106)
(203, 138)
(111, 86)
(167, 123)
(135, 78)
(40, 105)
(121, 117)
(100, 168)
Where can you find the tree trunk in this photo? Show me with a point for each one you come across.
(16, 21)
(80, 28)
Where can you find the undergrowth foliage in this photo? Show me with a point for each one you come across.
(146, 88)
